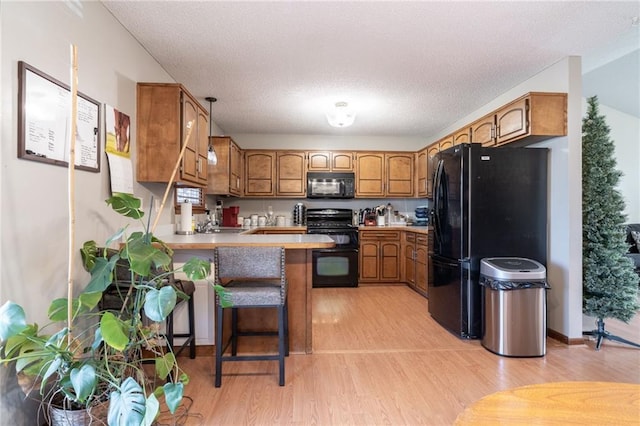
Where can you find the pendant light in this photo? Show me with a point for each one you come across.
(212, 158)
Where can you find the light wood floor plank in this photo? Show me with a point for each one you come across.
(380, 359)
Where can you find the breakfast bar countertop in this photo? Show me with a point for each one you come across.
(209, 241)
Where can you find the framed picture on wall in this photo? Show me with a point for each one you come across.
(44, 121)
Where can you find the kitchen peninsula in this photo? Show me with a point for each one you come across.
(298, 263)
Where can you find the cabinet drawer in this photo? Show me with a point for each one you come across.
(410, 237)
(421, 239)
(380, 235)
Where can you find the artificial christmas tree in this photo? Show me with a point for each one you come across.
(610, 286)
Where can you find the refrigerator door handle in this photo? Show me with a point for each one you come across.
(445, 260)
(437, 201)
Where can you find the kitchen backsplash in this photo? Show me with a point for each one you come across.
(284, 207)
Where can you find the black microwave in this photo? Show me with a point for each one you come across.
(330, 185)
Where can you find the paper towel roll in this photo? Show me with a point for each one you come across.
(185, 217)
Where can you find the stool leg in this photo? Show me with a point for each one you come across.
(286, 327)
(220, 316)
(281, 342)
(234, 331)
(192, 328)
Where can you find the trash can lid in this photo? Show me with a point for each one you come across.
(512, 268)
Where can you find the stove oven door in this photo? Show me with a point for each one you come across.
(338, 266)
(335, 267)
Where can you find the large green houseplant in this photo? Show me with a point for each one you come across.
(98, 360)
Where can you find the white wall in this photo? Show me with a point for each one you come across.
(33, 196)
(625, 134)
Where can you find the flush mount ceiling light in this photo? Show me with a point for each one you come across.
(212, 158)
(341, 115)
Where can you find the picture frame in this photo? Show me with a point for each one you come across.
(44, 118)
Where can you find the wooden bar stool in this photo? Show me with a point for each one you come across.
(253, 277)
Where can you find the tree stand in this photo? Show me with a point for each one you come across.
(601, 333)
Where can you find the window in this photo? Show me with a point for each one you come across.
(193, 195)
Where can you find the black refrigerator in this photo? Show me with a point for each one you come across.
(486, 202)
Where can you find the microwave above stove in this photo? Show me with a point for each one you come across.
(330, 185)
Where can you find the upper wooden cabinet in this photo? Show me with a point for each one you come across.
(260, 168)
(370, 174)
(422, 160)
(399, 174)
(164, 112)
(291, 174)
(530, 118)
(462, 136)
(225, 178)
(330, 161)
(384, 174)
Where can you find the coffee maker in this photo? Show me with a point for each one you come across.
(230, 216)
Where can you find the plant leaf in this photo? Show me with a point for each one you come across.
(12, 320)
(88, 254)
(151, 411)
(101, 274)
(127, 405)
(58, 309)
(84, 381)
(197, 269)
(89, 300)
(126, 205)
(158, 304)
(173, 395)
(165, 364)
(113, 331)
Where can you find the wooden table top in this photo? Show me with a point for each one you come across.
(209, 241)
(561, 403)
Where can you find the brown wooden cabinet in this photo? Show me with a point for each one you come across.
(399, 174)
(483, 131)
(462, 136)
(260, 168)
(225, 178)
(369, 174)
(379, 256)
(164, 112)
(330, 161)
(291, 174)
(381, 174)
(531, 118)
(422, 166)
(416, 261)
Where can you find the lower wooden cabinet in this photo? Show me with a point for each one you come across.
(379, 256)
(415, 259)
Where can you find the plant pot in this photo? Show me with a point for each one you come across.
(94, 416)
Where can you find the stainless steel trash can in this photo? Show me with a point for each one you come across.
(514, 303)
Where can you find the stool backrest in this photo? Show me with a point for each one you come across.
(249, 262)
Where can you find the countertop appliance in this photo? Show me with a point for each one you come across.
(337, 266)
(488, 202)
(330, 185)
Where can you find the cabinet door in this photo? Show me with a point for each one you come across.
(235, 169)
(260, 169)
(408, 254)
(370, 175)
(203, 147)
(189, 169)
(319, 161)
(512, 121)
(423, 174)
(291, 174)
(445, 143)
(399, 175)
(369, 261)
(390, 261)
(483, 131)
(421, 264)
(432, 150)
(462, 136)
(219, 174)
(341, 161)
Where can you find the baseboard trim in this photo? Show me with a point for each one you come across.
(564, 339)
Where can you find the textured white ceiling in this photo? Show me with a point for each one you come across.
(409, 68)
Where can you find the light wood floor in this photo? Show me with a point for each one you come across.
(380, 359)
